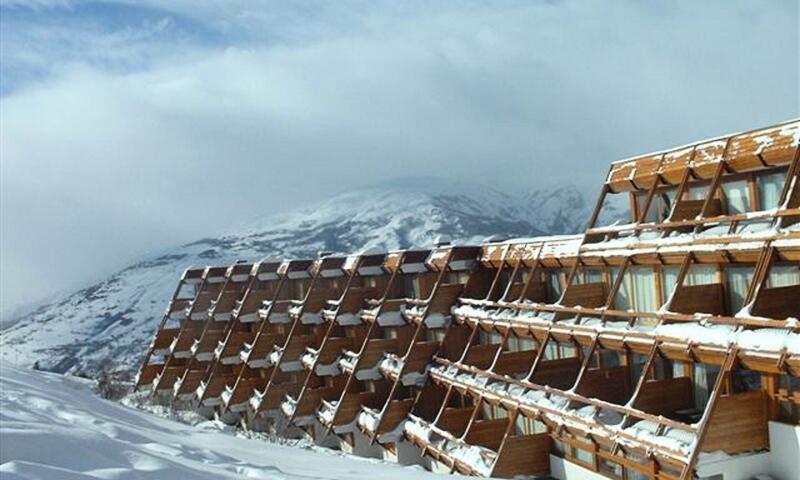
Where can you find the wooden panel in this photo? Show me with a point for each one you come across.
(487, 433)
(350, 406)
(165, 337)
(454, 420)
(481, 356)
(778, 302)
(396, 412)
(537, 292)
(148, 374)
(690, 209)
(662, 397)
(586, 295)
(420, 356)
(454, 343)
(674, 165)
(739, 424)
(609, 384)
(264, 345)
(620, 176)
(317, 299)
(374, 350)
(523, 455)
(514, 362)
(699, 299)
(353, 300)
(557, 373)
(333, 348)
(296, 346)
(444, 298)
(311, 399)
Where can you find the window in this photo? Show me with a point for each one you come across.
(637, 291)
(738, 279)
(705, 377)
(737, 196)
(769, 189)
(410, 287)
(554, 286)
(697, 192)
(669, 279)
(610, 468)
(783, 276)
(660, 206)
(583, 455)
(701, 275)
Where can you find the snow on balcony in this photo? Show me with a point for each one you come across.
(673, 439)
(327, 410)
(369, 419)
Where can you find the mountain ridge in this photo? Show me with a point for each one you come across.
(115, 318)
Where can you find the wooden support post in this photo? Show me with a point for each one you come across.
(702, 429)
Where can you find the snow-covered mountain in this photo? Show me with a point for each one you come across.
(114, 319)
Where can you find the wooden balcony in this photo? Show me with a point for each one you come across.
(332, 349)
(223, 306)
(275, 394)
(373, 351)
(229, 351)
(204, 347)
(264, 345)
(211, 393)
(177, 310)
(165, 380)
(349, 407)
(186, 387)
(148, 373)
(163, 340)
(182, 345)
(237, 396)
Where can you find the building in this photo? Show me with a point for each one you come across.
(664, 345)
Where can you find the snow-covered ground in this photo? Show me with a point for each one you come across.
(54, 427)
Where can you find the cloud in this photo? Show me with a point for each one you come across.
(133, 127)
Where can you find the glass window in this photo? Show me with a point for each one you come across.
(784, 276)
(697, 192)
(526, 343)
(660, 206)
(738, 281)
(669, 277)
(583, 455)
(637, 291)
(701, 275)
(769, 189)
(554, 286)
(737, 196)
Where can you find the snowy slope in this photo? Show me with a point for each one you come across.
(115, 318)
(54, 427)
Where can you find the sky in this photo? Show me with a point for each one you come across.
(127, 127)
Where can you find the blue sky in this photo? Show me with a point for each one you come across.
(114, 115)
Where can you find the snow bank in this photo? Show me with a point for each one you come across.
(55, 427)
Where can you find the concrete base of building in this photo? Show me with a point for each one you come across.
(229, 418)
(405, 453)
(357, 443)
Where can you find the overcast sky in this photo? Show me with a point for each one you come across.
(127, 127)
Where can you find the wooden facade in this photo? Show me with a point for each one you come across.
(629, 350)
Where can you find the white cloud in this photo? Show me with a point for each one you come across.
(269, 107)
